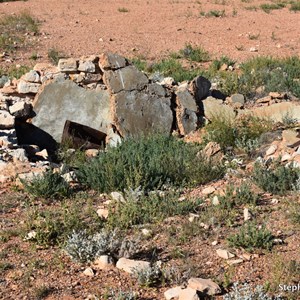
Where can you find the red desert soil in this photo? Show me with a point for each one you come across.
(154, 28)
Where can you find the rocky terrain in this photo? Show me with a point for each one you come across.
(167, 173)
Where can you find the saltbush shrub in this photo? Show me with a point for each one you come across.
(148, 162)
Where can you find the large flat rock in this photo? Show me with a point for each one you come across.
(136, 113)
(63, 100)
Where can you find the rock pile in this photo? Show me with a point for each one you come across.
(108, 94)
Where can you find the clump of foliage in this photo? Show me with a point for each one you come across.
(246, 292)
(197, 54)
(13, 29)
(295, 6)
(276, 178)
(172, 67)
(148, 162)
(149, 277)
(241, 133)
(251, 237)
(52, 227)
(267, 7)
(49, 185)
(55, 55)
(149, 209)
(83, 247)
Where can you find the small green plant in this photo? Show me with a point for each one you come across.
(123, 10)
(139, 63)
(276, 178)
(42, 292)
(251, 237)
(34, 56)
(172, 67)
(251, 8)
(149, 277)
(254, 36)
(49, 185)
(295, 6)
(218, 63)
(149, 209)
(14, 71)
(215, 13)
(114, 294)
(196, 54)
(148, 163)
(13, 29)
(268, 7)
(55, 55)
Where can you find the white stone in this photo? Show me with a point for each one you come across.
(6, 120)
(214, 243)
(247, 214)
(89, 272)
(32, 76)
(235, 261)
(224, 254)
(103, 262)
(208, 190)
(286, 157)
(28, 87)
(19, 154)
(86, 66)
(103, 213)
(67, 65)
(204, 285)
(117, 196)
(130, 265)
(215, 200)
(173, 293)
(271, 150)
(188, 294)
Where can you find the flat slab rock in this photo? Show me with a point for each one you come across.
(204, 285)
(63, 100)
(137, 113)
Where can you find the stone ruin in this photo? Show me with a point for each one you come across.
(102, 99)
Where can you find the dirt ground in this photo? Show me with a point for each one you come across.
(152, 29)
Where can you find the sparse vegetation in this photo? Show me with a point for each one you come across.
(252, 237)
(295, 6)
(149, 163)
(268, 7)
(55, 55)
(50, 185)
(13, 29)
(276, 178)
(123, 10)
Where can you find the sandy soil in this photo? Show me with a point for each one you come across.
(154, 28)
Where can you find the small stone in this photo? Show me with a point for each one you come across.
(67, 65)
(117, 196)
(91, 152)
(278, 241)
(25, 87)
(238, 98)
(130, 265)
(146, 232)
(7, 121)
(215, 201)
(247, 214)
(247, 256)
(192, 217)
(32, 76)
(19, 155)
(235, 261)
(69, 177)
(214, 243)
(168, 81)
(112, 61)
(21, 110)
(188, 294)
(89, 272)
(271, 150)
(286, 157)
(208, 190)
(206, 286)
(224, 254)
(274, 201)
(173, 293)
(103, 262)
(253, 49)
(266, 99)
(43, 154)
(103, 213)
(290, 138)
(86, 66)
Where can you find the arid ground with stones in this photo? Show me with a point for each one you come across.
(150, 149)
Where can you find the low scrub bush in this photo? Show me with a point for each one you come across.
(196, 54)
(246, 292)
(48, 186)
(251, 237)
(149, 209)
(268, 7)
(83, 247)
(148, 162)
(276, 178)
(13, 29)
